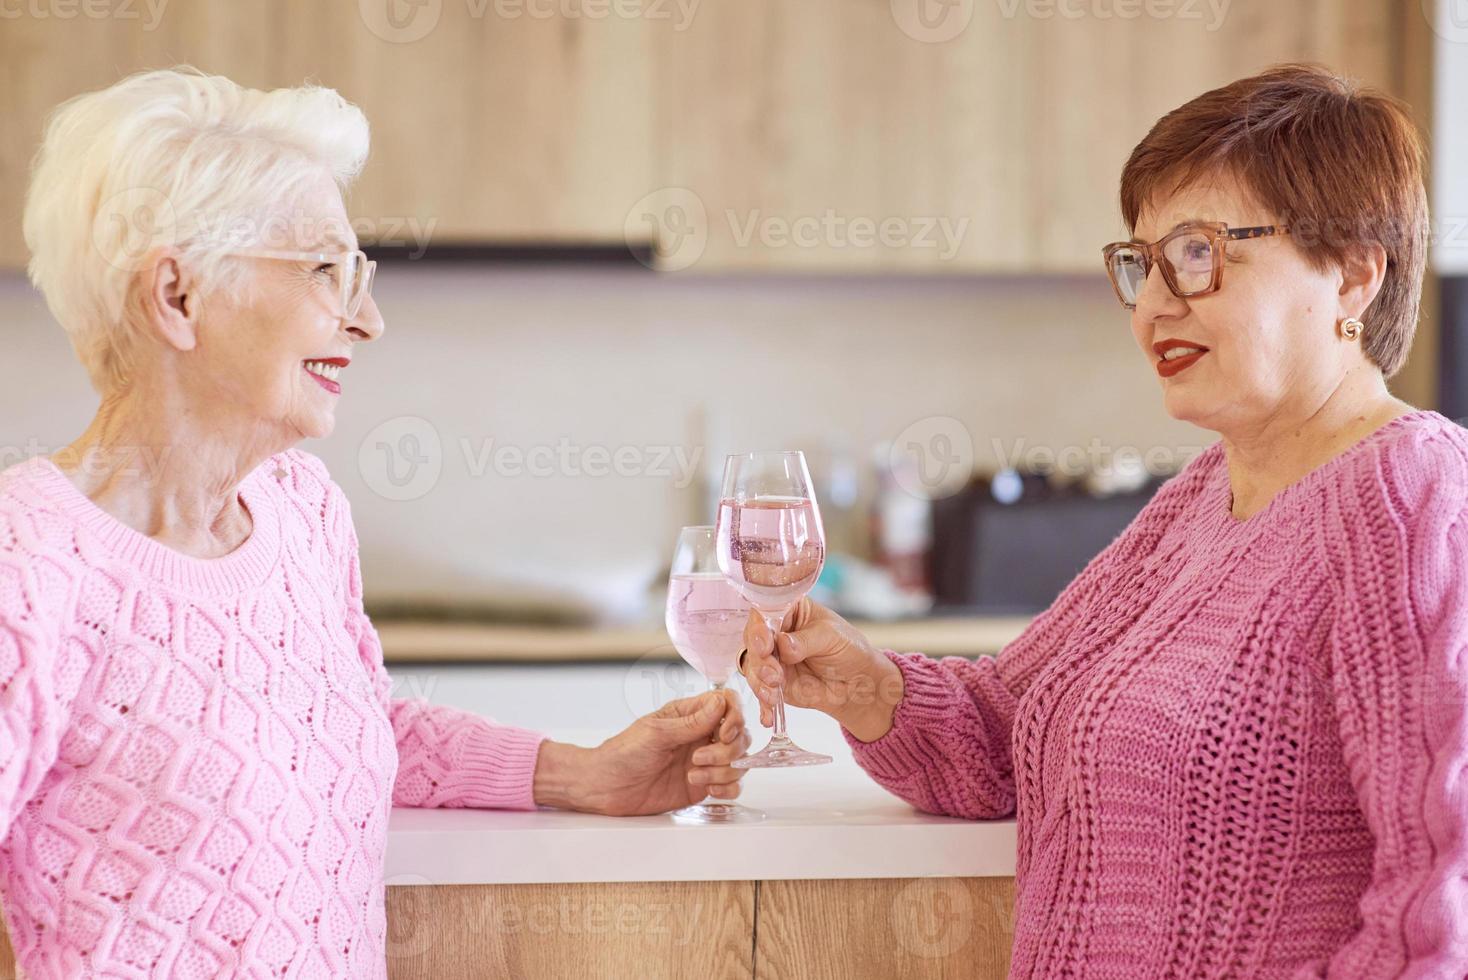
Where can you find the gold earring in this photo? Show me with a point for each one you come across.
(1351, 328)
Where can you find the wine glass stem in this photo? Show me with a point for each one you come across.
(774, 621)
(708, 797)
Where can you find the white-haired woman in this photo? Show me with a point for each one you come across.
(198, 750)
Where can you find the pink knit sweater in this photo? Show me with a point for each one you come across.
(1235, 748)
(197, 758)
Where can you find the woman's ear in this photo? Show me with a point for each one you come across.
(1362, 272)
(170, 302)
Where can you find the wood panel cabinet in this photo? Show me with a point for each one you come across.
(824, 134)
(498, 124)
(1100, 84)
(851, 929)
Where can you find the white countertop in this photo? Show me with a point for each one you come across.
(821, 822)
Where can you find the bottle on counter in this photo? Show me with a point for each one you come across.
(902, 524)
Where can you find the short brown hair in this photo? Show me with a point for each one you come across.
(1341, 165)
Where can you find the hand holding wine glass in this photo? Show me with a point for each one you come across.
(827, 665)
(771, 547)
(705, 618)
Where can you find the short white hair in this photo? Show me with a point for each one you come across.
(172, 157)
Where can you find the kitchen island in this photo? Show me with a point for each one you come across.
(840, 880)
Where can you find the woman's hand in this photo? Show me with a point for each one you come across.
(670, 758)
(828, 665)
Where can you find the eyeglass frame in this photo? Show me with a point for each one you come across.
(336, 259)
(1219, 234)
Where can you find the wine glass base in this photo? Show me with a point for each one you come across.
(712, 813)
(779, 755)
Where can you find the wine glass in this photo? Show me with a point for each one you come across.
(705, 617)
(771, 548)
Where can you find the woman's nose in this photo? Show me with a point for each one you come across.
(367, 324)
(1154, 298)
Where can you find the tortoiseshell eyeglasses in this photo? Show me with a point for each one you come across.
(1191, 258)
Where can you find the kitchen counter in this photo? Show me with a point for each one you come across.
(841, 880)
(409, 641)
(825, 822)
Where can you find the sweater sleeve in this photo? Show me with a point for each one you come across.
(446, 757)
(948, 750)
(33, 714)
(1399, 686)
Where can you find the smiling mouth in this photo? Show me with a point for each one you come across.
(1176, 356)
(323, 369)
(326, 372)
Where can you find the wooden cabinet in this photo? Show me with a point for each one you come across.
(819, 135)
(851, 929)
(1098, 85)
(491, 127)
(825, 134)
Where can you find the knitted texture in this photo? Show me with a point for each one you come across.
(198, 757)
(1233, 748)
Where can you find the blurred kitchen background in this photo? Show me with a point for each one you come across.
(619, 239)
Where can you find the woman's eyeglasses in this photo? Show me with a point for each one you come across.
(354, 272)
(1191, 258)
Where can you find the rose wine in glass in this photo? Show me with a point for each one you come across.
(771, 548)
(705, 617)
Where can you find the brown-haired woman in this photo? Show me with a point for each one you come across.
(1237, 743)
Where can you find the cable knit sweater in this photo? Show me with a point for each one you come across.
(1233, 748)
(198, 757)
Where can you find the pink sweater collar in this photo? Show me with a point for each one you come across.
(248, 565)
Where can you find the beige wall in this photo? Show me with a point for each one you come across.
(618, 358)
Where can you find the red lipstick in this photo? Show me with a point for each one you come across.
(1167, 367)
(326, 383)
